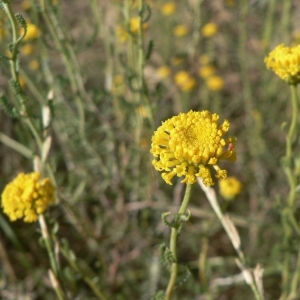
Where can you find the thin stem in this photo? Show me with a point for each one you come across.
(288, 219)
(15, 72)
(295, 280)
(85, 276)
(48, 244)
(141, 65)
(289, 147)
(173, 243)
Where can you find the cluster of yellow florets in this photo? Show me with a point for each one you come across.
(27, 196)
(285, 62)
(191, 145)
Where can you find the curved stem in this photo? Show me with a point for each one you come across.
(173, 243)
(15, 73)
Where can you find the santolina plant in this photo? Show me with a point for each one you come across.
(189, 145)
(285, 62)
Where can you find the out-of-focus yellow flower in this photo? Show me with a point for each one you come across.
(178, 60)
(191, 145)
(285, 62)
(135, 3)
(144, 143)
(207, 71)
(230, 187)
(185, 81)
(27, 196)
(3, 32)
(135, 24)
(143, 111)
(27, 49)
(118, 84)
(163, 71)
(26, 4)
(34, 65)
(168, 8)
(22, 82)
(180, 30)
(118, 79)
(215, 83)
(204, 59)
(209, 29)
(32, 33)
(230, 2)
(122, 34)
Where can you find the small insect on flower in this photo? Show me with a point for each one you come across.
(230, 147)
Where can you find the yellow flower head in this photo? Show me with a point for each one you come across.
(204, 59)
(118, 85)
(135, 25)
(122, 34)
(285, 62)
(185, 81)
(230, 187)
(210, 29)
(180, 30)
(32, 33)
(168, 8)
(27, 49)
(26, 5)
(27, 196)
(191, 145)
(34, 65)
(207, 71)
(215, 83)
(163, 72)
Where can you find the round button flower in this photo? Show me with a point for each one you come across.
(168, 8)
(209, 29)
(285, 62)
(32, 33)
(215, 83)
(230, 187)
(185, 81)
(191, 145)
(27, 196)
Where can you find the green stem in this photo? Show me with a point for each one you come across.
(15, 72)
(141, 65)
(84, 274)
(295, 280)
(48, 244)
(53, 260)
(269, 24)
(173, 243)
(289, 147)
(288, 219)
